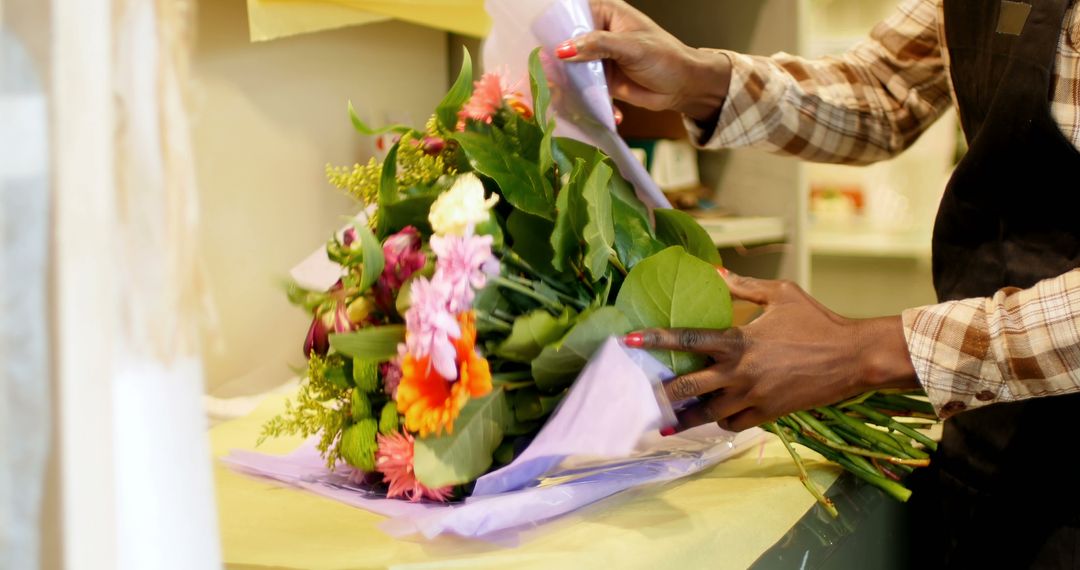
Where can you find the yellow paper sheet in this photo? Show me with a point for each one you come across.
(725, 517)
(272, 20)
(269, 19)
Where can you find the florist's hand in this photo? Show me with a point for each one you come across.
(647, 66)
(797, 355)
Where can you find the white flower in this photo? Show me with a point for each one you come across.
(461, 208)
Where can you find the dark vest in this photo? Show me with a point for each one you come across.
(1010, 217)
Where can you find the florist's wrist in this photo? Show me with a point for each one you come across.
(704, 96)
(882, 355)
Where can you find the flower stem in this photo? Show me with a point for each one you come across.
(511, 376)
(887, 422)
(493, 322)
(804, 477)
(514, 286)
(866, 453)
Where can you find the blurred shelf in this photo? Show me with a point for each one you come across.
(735, 231)
(869, 243)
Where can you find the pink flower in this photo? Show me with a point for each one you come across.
(464, 262)
(487, 98)
(403, 258)
(429, 325)
(394, 459)
(391, 374)
(342, 324)
(349, 237)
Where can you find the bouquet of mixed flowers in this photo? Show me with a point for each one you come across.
(493, 259)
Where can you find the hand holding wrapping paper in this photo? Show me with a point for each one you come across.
(584, 103)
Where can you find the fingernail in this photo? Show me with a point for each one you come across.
(670, 430)
(566, 49)
(634, 340)
(722, 271)
(618, 116)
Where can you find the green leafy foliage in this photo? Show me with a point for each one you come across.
(527, 232)
(407, 212)
(447, 110)
(374, 261)
(531, 404)
(560, 363)
(541, 93)
(521, 182)
(361, 405)
(679, 228)
(531, 333)
(377, 344)
(319, 408)
(358, 444)
(675, 289)
(362, 127)
(389, 423)
(464, 455)
(598, 233)
(365, 374)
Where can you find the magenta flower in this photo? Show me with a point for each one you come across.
(403, 258)
(429, 325)
(464, 263)
(391, 374)
(317, 339)
(349, 237)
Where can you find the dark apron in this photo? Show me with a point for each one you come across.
(1003, 490)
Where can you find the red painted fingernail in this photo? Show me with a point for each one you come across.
(722, 271)
(566, 49)
(634, 340)
(618, 116)
(670, 430)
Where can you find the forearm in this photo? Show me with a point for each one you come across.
(1015, 345)
(868, 104)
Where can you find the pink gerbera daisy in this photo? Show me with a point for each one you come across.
(395, 460)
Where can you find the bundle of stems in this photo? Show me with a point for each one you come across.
(864, 436)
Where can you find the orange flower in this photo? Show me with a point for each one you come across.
(431, 403)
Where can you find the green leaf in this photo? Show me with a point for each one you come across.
(633, 238)
(679, 228)
(541, 92)
(524, 229)
(568, 150)
(564, 236)
(532, 332)
(598, 232)
(407, 212)
(559, 364)
(529, 404)
(370, 343)
(362, 128)
(388, 188)
(447, 110)
(675, 289)
(520, 182)
(374, 260)
(464, 455)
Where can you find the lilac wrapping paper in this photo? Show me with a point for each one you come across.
(581, 99)
(602, 440)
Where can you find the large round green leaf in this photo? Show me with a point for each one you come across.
(674, 289)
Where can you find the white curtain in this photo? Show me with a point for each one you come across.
(24, 370)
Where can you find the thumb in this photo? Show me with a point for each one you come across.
(620, 48)
(756, 291)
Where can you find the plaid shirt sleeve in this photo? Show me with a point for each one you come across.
(1015, 345)
(863, 106)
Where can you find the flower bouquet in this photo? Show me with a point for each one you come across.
(493, 261)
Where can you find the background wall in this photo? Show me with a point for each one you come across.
(268, 117)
